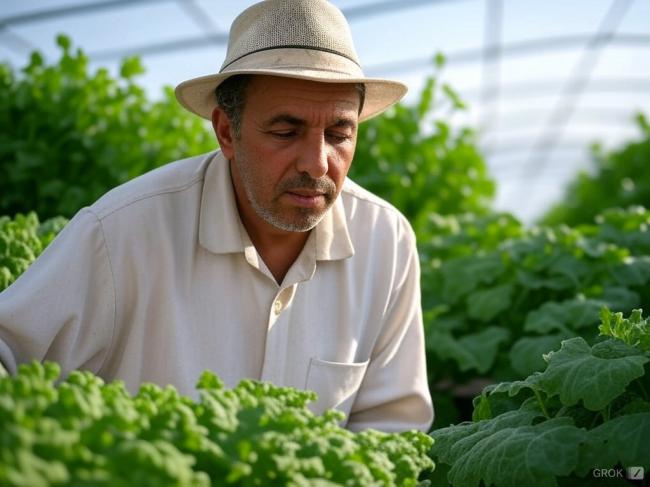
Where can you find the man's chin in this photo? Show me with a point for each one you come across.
(303, 223)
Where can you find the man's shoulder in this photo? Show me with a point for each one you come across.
(365, 201)
(174, 177)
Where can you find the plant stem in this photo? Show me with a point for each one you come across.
(541, 404)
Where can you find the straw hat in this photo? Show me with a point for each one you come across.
(307, 39)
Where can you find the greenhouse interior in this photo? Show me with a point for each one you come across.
(520, 159)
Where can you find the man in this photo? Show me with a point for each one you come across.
(257, 261)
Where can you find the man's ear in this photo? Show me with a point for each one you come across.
(223, 131)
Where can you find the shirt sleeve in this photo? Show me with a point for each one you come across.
(394, 395)
(62, 308)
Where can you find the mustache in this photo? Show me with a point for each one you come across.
(305, 181)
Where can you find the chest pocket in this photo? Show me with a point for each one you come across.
(336, 384)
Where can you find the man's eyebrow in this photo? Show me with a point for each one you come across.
(285, 118)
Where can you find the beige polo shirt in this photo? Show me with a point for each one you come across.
(158, 281)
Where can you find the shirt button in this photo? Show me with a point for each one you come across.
(277, 306)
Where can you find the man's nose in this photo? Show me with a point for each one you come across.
(313, 158)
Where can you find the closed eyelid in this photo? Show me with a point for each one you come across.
(344, 123)
(292, 121)
(285, 120)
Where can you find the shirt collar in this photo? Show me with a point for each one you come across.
(220, 228)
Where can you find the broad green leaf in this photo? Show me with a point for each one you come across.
(635, 271)
(527, 354)
(445, 438)
(513, 388)
(550, 317)
(516, 456)
(498, 399)
(447, 446)
(485, 304)
(595, 376)
(536, 281)
(571, 267)
(491, 404)
(570, 314)
(461, 276)
(473, 351)
(623, 440)
(621, 298)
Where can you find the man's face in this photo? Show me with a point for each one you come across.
(295, 148)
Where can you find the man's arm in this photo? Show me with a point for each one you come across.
(394, 394)
(63, 307)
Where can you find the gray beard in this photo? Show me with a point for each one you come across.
(308, 221)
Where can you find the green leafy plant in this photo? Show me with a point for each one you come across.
(412, 157)
(22, 239)
(634, 331)
(67, 135)
(618, 178)
(626, 228)
(82, 431)
(491, 313)
(466, 234)
(589, 409)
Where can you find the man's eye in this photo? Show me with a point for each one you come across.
(285, 134)
(338, 138)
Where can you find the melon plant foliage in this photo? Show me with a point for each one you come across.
(68, 135)
(415, 158)
(618, 178)
(493, 309)
(82, 431)
(588, 409)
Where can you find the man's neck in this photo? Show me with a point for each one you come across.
(278, 249)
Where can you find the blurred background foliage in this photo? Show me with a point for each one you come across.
(413, 157)
(67, 135)
(496, 294)
(618, 178)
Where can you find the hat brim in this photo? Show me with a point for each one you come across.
(197, 94)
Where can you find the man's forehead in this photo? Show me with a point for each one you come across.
(287, 86)
(293, 101)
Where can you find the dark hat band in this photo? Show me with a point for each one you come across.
(312, 48)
